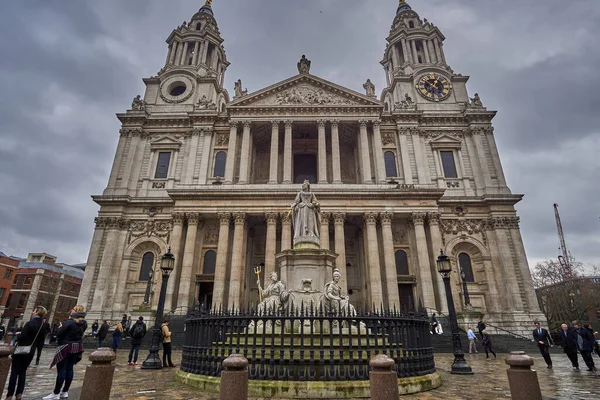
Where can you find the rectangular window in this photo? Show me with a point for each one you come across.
(448, 164)
(162, 167)
(2, 291)
(27, 281)
(7, 274)
(22, 301)
(8, 300)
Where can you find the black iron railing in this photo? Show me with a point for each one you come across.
(306, 344)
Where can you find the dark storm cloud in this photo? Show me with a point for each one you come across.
(67, 67)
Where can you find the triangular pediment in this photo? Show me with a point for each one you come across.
(165, 143)
(304, 90)
(445, 141)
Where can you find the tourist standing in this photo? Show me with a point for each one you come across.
(472, 340)
(568, 341)
(68, 352)
(543, 339)
(102, 333)
(29, 336)
(116, 338)
(585, 344)
(95, 327)
(166, 341)
(434, 324)
(137, 333)
(480, 327)
(127, 326)
(487, 344)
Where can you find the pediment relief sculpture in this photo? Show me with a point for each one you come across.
(305, 95)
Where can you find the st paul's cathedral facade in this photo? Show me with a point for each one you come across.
(399, 177)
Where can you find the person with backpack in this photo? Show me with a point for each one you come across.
(103, 333)
(137, 333)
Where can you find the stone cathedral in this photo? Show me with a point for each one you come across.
(399, 177)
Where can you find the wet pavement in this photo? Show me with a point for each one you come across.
(489, 381)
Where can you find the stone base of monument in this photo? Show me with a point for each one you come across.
(311, 389)
(302, 265)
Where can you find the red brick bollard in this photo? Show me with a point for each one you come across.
(98, 378)
(234, 378)
(5, 351)
(524, 384)
(384, 381)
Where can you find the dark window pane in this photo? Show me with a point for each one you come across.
(448, 164)
(465, 265)
(220, 161)
(147, 264)
(402, 263)
(210, 261)
(162, 167)
(390, 164)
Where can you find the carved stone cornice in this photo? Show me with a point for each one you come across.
(463, 225)
(418, 218)
(325, 218)
(433, 218)
(339, 217)
(386, 217)
(158, 228)
(239, 218)
(193, 218)
(272, 218)
(432, 134)
(111, 223)
(178, 217)
(224, 218)
(127, 132)
(370, 218)
(502, 223)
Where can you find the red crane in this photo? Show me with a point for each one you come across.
(564, 258)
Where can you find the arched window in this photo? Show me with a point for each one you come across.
(210, 261)
(147, 264)
(390, 164)
(411, 24)
(465, 266)
(220, 160)
(402, 263)
(198, 26)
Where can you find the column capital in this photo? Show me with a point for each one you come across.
(234, 123)
(334, 122)
(271, 217)
(288, 123)
(193, 218)
(418, 218)
(386, 217)
(325, 218)
(224, 218)
(363, 123)
(247, 124)
(339, 217)
(433, 218)
(275, 123)
(239, 218)
(321, 123)
(370, 218)
(178, 217)
(407, 130)
(286, 218)
(376, 123)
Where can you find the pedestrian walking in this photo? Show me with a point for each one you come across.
(568, 341)
(487, 344)
(116, 338)
(40, 343)
(27, 340)
(480, 327)
(472, 340)
(585, 344)
(137, 333)
(166, 341)
(543, 340)
(103, 333)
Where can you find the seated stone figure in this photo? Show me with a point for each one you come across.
(274, 296)
(334, 301)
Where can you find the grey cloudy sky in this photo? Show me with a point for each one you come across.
(67, 67)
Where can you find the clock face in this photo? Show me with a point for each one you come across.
(434, 87)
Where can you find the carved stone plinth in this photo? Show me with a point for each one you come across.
(298, 264)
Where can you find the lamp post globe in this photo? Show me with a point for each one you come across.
(459, 365)
(167, 264)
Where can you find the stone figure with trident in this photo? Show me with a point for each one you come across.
(273, 296)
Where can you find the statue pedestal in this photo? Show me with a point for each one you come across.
(306, 263)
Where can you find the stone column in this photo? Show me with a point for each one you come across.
(286, 231)
(187, 267)
(374, 266)
(340, 248)
(424, 270)
(221, 263)
(438, 55)
(110, 247)
(414, 50)
(437, 245)
(287, 153)
(509, 275)
(406, 51)
(364, 152)
(195, 59)
(422, 167)
(114, 171)
(324, 231)
(489, 135)
(270, 245)
(130, 158)
(175, 244)
(517, 239)
(172, 52)
(335, 152)
(90, 265)
(184, 53)
(487, 176)
(495, 275)
(405, 157)
(274, 161)
(426, 51)
(230, 164)
(391, 278)
(245, 154)
(204, 162)
(188, 176)
(237, 261)
(322, 152)
(378, 150)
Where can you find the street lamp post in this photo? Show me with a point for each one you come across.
(167, 263)
(459, 365)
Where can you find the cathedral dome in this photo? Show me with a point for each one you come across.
(206, 9)
(403, 7)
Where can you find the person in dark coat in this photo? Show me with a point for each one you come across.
(568, 341)
(480, 327)
(54, 332)
(585, 344)
(137, 333)
(95, 327)
(40, 343)
(487, 344)
(102, 333)
(2, 332)
(543, 340)
(20, 362)
(69, 352)
(116, 337)
(434, 324)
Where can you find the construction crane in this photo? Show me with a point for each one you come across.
(564, 259)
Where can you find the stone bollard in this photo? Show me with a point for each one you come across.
(523, 381)
(234, 378)
(98, 378)
(5, 351)
(384, 381)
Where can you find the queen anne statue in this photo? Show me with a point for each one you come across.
(306, 217)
